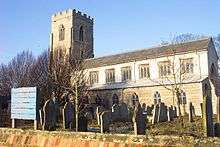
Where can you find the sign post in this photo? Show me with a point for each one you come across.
(23, 104)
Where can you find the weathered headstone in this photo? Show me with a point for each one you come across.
(123, 111)
(139, 121)
(69, 116)
(162, 114)
(49, 115)
(83, 124)
(105, 121)
(207, 116)
(116, 112)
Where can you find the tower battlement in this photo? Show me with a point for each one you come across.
(71, 12)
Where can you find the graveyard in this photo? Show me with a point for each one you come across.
(131, 74)
(140, 124)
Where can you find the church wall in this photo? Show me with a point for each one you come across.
(200, 62)
(193, 93)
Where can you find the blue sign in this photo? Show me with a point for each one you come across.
(23, 103)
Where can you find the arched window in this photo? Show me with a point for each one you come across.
(135, 99)
(115, 99)
(157, 98)
(213, 70)
(61, 32)
(81, 33)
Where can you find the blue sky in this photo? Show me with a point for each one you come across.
(120, 25)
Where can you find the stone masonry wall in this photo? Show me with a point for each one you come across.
(193, 93)
(16, 137)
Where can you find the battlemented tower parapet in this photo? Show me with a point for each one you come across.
(72, 31)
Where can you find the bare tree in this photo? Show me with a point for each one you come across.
(39, 76)
(176, 73)
(17, 73)
(24, 70)
(67, 75)
(5, 84)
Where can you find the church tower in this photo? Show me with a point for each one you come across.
(72, 32)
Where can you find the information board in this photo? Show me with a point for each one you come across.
(23, 103)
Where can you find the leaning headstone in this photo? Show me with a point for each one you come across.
(99, 110)
(190, 112)
(139, 121)
(105, 121)
(68, 116)
(83, 124)
(207, 116)
(49, 115)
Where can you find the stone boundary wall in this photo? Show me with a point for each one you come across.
(17, 137)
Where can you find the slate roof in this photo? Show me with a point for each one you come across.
(149, 53)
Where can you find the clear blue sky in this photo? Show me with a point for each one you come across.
(120, 25)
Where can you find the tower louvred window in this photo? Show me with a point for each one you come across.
(81, 34)
(61, 33)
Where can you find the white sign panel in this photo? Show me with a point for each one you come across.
(23, 103)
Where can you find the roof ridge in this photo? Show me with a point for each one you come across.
(152, 47)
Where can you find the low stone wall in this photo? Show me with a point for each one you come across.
(17, 137)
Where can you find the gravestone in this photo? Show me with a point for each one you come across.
(190, 112)
(116, 113)
(139, 121)
(207, 116)
(69, 116)
(170, 114)
(175, 112)
(120, 112)
(162, 114)
(105, 121)
(217, 129)
(99, 110)
(155, 113)
(83, 124)
(123, 112)
(49, 110)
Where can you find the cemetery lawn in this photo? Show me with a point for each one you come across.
(178, 127)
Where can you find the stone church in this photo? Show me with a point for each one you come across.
(151, 74)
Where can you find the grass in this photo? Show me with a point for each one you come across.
(179, 127)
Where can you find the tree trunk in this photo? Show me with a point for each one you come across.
(178, 103)
(76, 108)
